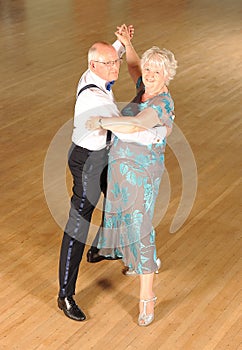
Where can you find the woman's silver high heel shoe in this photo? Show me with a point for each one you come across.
(144, 318)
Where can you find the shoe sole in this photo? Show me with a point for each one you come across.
(101, 258)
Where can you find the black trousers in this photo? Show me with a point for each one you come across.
(89, 172)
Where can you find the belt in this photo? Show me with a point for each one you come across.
(107, 147)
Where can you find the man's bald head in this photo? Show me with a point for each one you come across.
(100, 49)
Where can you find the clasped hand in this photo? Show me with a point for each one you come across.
(125, 34)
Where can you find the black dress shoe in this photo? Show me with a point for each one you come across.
(93, 257)
(71, 309)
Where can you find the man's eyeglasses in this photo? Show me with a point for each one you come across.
(111, 63)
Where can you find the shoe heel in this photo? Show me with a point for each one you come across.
(158, 262)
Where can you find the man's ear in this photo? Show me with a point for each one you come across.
(92, 65)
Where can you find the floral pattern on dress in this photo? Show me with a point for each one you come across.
(134, 176)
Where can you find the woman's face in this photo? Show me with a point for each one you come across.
(153, 76)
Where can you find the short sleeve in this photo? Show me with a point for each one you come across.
(164, 106)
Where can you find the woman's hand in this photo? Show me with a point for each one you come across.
(93, 123)
(131, 31)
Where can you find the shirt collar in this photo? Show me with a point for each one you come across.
(105, 85)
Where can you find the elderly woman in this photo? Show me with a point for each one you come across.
(136, 165)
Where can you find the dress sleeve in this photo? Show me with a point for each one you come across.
(164, 106)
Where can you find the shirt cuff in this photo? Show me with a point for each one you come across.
(119, 48)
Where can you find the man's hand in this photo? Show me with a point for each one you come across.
(93, 123)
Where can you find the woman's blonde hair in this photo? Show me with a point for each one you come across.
(161, 58)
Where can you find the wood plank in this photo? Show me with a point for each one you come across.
(43, 53)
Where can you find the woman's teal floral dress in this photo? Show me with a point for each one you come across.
(134, 176)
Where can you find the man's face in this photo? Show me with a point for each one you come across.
(107, 64)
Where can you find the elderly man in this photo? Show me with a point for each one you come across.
(88, 159)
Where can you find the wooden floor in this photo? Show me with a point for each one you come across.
(43, 47)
